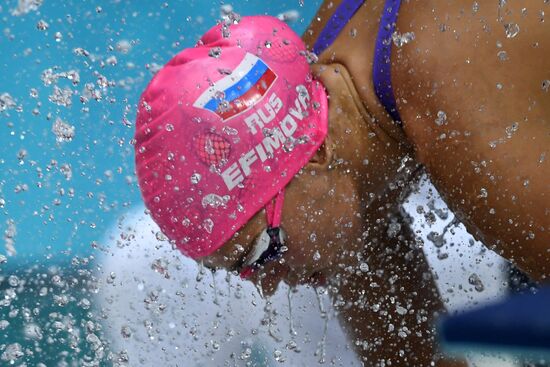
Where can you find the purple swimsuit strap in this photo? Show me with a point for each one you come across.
(381, 71)
(381, 68)
(334, 26)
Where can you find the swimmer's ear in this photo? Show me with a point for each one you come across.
(323, 156)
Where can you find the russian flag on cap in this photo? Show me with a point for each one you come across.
(236, 92)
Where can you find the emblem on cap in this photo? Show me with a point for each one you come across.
(237, 92)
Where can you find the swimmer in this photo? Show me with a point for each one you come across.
(252, 161)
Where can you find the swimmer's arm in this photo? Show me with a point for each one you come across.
(490, 157)
(373, 301)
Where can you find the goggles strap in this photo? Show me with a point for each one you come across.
(274, 210)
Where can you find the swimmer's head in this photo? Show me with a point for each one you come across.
(229, 128)
(222, 129)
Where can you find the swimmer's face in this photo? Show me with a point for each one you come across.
(322, 220)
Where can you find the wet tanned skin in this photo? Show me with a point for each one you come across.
(348, 203)
(481, 150)
(457, 71)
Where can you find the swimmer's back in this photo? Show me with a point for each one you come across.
(486, 152)
(470, 92)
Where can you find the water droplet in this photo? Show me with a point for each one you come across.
(311, 57)
(215, 52)
(111, 60)
(289, 16)
(278, 355)
(401, 310)
(79, 51)
(61, 97)
(393, 229)
(545, 86)
(12, 353)
(226, 9)
(84, 303)
(316, 256)
(42, 25)
(6, 102)
(63, 131)
(43, 292)
(13, 281)
(441, 118)
(123, 46)
(364, 267)
(476, 282)
(215, 201)
(4, 324)
(161, 266)
(511, 30)
(483, 193)
(169, 127)
(209, 146)
(195, 178)
(9, 237)
(230, 131)
(402, 39)
(225, 71)
(402, 333)
(502, 55)
(437, 239)
(510, 130)
(208, 225)
(26, 6)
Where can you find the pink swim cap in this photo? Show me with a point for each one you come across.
(223, 127)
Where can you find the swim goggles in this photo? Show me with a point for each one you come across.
(269, 246)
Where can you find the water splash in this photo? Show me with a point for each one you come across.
(26, 6)
(289, 16)
(9, 237)
(269, 320)
(7, 102)
(290, 317)
(321, 345)
(63, 131)
(215, 288)
(400, 39)
(215, 201)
